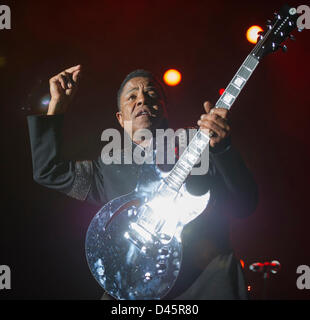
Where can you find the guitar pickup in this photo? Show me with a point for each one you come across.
(138, 236)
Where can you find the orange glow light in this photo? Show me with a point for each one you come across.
(252, 33)
(221, 91)
(242, 263)
(172, 77)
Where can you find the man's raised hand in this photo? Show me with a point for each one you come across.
(63, 87)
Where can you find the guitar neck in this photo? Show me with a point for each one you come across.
(237, 83)
(200, 141)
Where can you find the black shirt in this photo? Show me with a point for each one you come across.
(209, 268)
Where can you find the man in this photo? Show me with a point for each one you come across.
(209, 269)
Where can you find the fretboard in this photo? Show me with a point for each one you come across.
(200, 141)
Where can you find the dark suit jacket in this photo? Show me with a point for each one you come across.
(210, 269)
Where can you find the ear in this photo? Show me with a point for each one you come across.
(120, 119)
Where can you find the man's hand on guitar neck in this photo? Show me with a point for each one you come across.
(63, 87)
(215, 120)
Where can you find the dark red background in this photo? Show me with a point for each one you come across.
(42, 232)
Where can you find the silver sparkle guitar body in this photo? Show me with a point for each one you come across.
(141, 262)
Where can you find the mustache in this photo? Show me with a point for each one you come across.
(145, 110)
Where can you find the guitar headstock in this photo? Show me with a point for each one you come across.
(278, 30)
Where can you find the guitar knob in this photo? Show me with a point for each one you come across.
(269, 24)
(161, 268)
(161, 271)
(147, 277)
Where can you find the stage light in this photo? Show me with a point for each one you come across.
(172, 77)
(242, 263)
(221, 91)
(252, 33)
(45, 100)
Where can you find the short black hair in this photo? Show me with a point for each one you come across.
(140, 73)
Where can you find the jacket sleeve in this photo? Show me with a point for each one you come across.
(239, 183)
(77, 179)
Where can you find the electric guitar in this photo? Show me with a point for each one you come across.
(134, 243)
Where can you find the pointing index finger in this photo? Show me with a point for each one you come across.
(72, 69)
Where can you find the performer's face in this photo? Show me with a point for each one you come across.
(142, 103)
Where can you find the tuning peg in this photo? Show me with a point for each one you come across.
(260, 35)
(284, 48)
(269, 24)
(292, 37)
